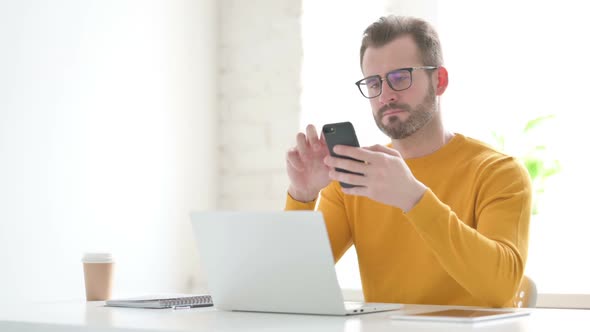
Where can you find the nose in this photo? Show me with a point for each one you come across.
(388, 95)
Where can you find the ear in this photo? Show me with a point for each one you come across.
(443, 80)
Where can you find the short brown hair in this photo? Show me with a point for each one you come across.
(388, 28)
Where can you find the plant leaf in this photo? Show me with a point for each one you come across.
(536, 122)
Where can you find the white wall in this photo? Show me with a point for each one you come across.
(260, 70)
(107, 111)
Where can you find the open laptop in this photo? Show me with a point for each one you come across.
(272, 262)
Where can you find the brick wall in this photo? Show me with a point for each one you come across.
(259, 89)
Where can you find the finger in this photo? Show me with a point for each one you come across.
(302, 145)
(323, 139)
(312, 137)
(294, 160)
(347, 164)
(384, 149)
(354, 179)
(354, 152)
(357, 191)
(323, 144)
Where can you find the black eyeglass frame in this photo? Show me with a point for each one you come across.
(385, 78)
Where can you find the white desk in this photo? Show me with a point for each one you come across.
(81, 316)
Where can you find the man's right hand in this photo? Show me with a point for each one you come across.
(305, 166)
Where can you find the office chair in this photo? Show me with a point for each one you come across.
(526, 296)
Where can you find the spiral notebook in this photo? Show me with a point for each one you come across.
(163, 301)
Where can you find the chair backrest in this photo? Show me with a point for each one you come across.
(526, 296)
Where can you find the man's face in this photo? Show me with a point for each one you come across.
(400, 114)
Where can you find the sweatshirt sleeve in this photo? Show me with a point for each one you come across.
(293, 205)
(487, 260)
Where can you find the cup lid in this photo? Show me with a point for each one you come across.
(97, 257)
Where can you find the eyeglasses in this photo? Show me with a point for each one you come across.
(398, 80)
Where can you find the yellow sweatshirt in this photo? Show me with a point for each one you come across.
(464, 243)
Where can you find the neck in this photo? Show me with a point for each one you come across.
(425, 141)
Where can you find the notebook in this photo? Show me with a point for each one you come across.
(163, 301)
(272, 262)
(461, 315)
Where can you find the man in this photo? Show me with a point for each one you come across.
(438, 218)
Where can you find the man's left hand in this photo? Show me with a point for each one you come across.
(386, 176)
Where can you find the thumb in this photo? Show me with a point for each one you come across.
(384, 149)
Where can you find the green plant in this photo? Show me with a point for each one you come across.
(534, 155)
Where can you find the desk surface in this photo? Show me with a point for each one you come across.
(92, 316)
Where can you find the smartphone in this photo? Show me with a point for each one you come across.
(341, 133)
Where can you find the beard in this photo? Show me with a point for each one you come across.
(419, 116)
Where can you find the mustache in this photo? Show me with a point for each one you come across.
(392, 106)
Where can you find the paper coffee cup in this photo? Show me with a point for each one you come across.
(98, 276)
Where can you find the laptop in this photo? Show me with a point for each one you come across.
(272, 262)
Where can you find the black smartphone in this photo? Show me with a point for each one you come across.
(341, 133)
